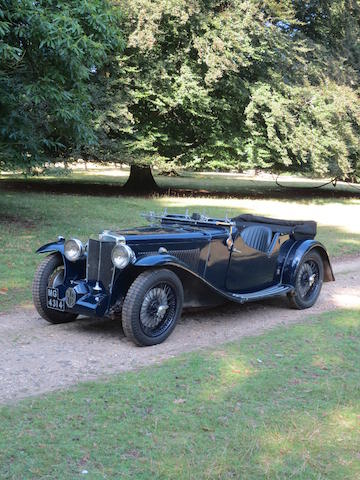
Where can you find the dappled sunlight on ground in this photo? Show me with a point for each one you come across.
(347, 300)
(322, 361)
(303, 439)
(231, 371)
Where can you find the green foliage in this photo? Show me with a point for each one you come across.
(311, 129)
(235, 84)
(49, 53)
(209, 84)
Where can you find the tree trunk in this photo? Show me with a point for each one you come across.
(141, 181)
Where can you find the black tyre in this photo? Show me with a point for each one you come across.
(308, 281)
(49, 273)
(152, 306)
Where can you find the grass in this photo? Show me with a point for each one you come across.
(29, 219)
(284, 405)
(228, 183)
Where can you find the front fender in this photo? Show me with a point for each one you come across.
(52, 247)
(73, 270)
(299, 249)
(158, 261)
(197, 291)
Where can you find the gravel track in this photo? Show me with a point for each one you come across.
(37, 357)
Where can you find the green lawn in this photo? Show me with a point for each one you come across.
(233, 184)
(29, 219)
(284, 405)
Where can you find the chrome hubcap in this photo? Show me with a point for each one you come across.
(162, 310)
(308, 279)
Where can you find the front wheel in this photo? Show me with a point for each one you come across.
(50, 273)
(308, 281)
(152, 306)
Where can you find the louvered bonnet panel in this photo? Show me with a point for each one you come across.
(190, 257)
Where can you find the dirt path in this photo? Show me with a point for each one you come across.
(36, 357)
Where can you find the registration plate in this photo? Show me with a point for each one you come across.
(53, 300)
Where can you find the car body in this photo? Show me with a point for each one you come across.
(202, 262)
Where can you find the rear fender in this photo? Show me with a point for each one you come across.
(297, 252)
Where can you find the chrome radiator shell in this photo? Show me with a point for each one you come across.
(99, 267)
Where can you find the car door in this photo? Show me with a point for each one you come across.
(250, 269)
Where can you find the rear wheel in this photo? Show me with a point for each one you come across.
(152, 306)
(308, 281)
(50, 273)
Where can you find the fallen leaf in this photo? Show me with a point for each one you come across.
(179, 400)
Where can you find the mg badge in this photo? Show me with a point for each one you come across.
(70, 297)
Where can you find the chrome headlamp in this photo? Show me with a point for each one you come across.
(73, 249)
(122, 255)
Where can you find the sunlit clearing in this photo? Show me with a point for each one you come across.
(344, 216)
(107, 173)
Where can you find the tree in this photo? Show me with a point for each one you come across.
(50, 50)
(232, 85)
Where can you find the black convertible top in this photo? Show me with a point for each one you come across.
(299, 229)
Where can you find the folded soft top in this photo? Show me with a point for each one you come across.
(299, 229)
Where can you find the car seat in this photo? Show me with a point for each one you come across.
(257, 237)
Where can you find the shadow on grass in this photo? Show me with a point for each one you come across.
(281, 405)
(78, 187)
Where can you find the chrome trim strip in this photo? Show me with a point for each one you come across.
(87, 265)
(99, 262)
(112, 279)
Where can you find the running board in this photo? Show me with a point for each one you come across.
(260, 294)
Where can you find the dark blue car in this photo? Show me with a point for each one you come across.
(149, 274)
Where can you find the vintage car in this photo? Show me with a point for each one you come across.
(149, 274)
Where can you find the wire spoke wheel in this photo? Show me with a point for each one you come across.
(158, 309)
(152, 306)
(308, 281)
(50, 273)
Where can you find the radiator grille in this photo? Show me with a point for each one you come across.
(99, 266)
(189, 257)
